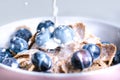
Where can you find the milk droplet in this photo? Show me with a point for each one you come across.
(26, 3)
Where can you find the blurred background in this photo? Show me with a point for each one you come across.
(12, 10)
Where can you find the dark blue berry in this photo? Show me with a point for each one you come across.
(24, 34)
(93, 49)
(81, 59)
(4, 53)
(116, 59)
(41, 61)
(49, 23)
(63, 34)
(18, 44)
(45, 25)
(12, 62)
(105, 42)
(42, 37)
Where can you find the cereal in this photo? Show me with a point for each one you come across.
(62, 53)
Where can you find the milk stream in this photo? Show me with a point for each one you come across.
(55, 11)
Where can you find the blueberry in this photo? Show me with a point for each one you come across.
(81, 59)
(42, 37)
(41, 61)
(24, 34)
(105, 42)
(47, 24)
(116, 59)
(4, 53)
(18, 44)
(93, 49)
(63, 34)
(12, 62)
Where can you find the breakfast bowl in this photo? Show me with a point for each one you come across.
(104, 30)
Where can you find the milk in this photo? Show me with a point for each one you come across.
(55, 11)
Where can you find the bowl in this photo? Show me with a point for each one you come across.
(106, 31)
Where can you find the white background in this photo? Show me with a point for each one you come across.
(13, 10)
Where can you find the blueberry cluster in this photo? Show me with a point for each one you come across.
(46, 31)
(18, 43)
(84, 58)
(64, 34)
(93, 49)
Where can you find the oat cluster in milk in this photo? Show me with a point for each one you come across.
(58, 49)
